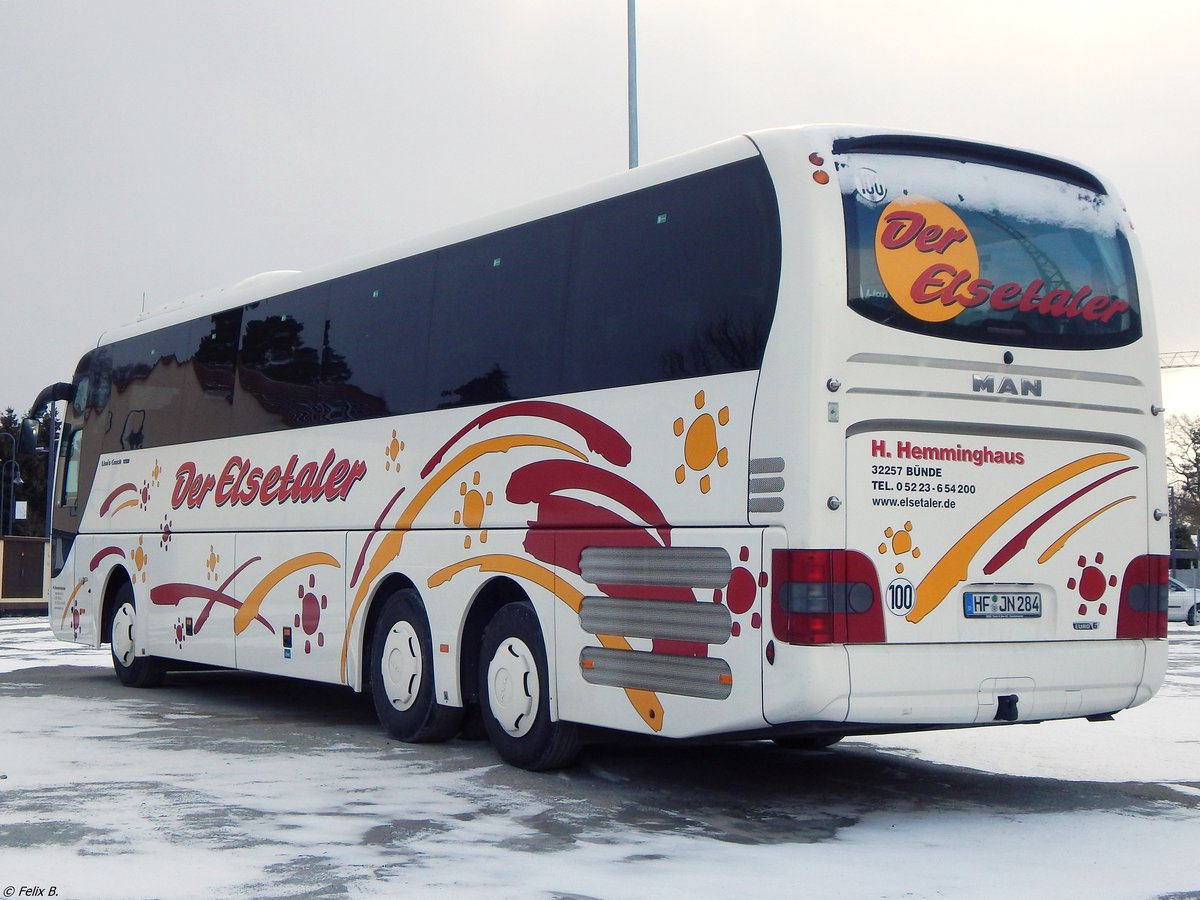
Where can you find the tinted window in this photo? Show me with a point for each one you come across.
(70, 457)
(279, 362)
(216, 356)
(83, 384)
(376, 341)
(985, 253)
(674, 281)
(147, 390)
(497, 319)
(214, 365)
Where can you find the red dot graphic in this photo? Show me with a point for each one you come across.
(1091, 584)
(310, 613)
(743, 588)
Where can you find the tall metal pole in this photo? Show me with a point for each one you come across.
(633, 123)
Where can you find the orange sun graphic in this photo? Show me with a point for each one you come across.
(210, 563)
(473, 506)
(391, 451)
(899, 541)
(701, 447)
(140, 559)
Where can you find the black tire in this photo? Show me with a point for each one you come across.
(808, 741)
(472, 727)
(1193, 616)
(132, 670)
(514, 696)
(402, 675)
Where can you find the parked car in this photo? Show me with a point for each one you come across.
(1183, 603)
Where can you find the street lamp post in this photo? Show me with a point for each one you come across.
(8, 504)
(14, 481)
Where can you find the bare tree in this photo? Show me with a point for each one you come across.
(1183, 469)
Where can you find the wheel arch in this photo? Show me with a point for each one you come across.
(489, 599)
(117, 577)
(393, 583)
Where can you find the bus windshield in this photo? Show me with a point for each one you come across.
(986, 253)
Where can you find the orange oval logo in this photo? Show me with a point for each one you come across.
(923, 249)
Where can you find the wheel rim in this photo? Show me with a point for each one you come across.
(513, 687)
(402, 666)
(122, 635)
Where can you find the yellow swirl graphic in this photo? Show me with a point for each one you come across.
(1070, 532)
(951, 569)
(249, 609)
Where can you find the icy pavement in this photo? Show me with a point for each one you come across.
(228, 785)
(28, 642)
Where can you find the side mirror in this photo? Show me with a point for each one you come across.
(27, 442)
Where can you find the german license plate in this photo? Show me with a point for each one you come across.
(1002, 605)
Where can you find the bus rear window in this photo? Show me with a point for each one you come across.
(985, 253)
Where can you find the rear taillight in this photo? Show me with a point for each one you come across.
(825, 597)
(1143, 609)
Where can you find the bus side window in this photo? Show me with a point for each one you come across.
(79, 402)
(674, 281)
(279, 362)
(71, 444)
(496, 330)
(373, 361)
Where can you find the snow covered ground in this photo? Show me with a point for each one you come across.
(225, 785)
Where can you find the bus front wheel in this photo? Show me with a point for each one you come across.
(514, 694)
(402, 675)
(132, 670)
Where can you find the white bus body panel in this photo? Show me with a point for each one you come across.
(939, 684)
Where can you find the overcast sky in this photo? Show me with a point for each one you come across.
(158, 148)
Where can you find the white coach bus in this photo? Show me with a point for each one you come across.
(811, 433)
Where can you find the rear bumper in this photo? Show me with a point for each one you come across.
(963, 684)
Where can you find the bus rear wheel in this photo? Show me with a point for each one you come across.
(514, 696)
(132, 670)
(402, 675)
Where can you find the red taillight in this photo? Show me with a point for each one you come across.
(1143, 609)
(825, 597)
